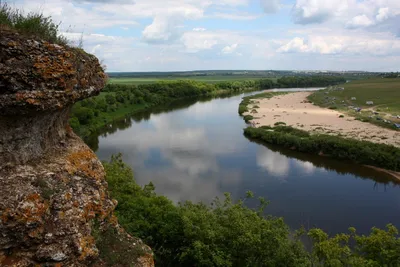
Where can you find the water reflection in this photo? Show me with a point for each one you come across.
(197, 151)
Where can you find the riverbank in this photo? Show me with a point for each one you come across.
(291, 121)
(295, 110)
(88, 118)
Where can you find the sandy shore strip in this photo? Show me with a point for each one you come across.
(295, 110)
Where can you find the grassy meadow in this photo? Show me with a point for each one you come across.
(384, 92)
(207, 79)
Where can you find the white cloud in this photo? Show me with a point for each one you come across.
(163, 29)
(229, 49)
(345, 45)
(383, 14)
(359, 21)
(313, 11)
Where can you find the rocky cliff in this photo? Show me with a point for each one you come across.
(54, 206)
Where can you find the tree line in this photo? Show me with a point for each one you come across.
(362, 152)
(117, 101)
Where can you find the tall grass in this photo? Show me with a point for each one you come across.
(31, 24)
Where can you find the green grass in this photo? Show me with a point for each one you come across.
(208, 79)
(385, 93)
(31, 24)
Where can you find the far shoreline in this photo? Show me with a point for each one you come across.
(291, 121)
(294, 109)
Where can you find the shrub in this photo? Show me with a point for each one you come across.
(32, 24)
(248, 118)
(195, 234)
(363, 152)
(280, 123)
(227, 233)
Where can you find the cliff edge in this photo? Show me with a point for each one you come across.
(54, 206)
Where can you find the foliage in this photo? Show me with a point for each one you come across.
(196, 234)
(227, 233)
(248, 118)
(279, 123)
(115, 249)
(31, 24)
(363, 152)
(117, 101)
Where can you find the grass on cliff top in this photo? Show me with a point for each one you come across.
(31, 24)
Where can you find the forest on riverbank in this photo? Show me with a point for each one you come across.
(227, 233)
(119, 100)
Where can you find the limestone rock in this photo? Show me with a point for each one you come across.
(54, 203)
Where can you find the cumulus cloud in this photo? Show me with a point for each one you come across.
(349, 13)
(270, 6)
(229, 49)
(312, 11)
(359, 21)
(346, 45)
(383, 14)
(162, 30)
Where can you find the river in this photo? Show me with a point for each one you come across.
(195, 150)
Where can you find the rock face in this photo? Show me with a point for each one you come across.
(54, 204)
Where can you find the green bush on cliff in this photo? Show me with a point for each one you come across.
(32, 24)
(227, 233)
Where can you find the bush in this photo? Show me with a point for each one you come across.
(195, 234)
(363, 152)
(279, 123)
(248, 118)
(227, 233)
(32, 24)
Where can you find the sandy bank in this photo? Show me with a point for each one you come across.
(294, 110)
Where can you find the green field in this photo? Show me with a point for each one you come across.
(208, 79)
(384, 92)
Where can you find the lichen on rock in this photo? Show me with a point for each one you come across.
(52, 186)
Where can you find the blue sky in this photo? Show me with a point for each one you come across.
(176, 35)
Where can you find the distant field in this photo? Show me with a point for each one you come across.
(385, 94)
(208, 79)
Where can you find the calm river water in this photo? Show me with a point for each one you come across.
(196, 150)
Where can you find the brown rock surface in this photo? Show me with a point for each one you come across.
(54, 203)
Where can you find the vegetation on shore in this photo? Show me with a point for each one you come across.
(246, 101)
(117, 101)
(384, 110)
(227, 233)
(362, 152)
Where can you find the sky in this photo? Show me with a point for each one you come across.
(182, 35)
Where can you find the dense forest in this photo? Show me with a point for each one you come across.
(227, 233)
(117, 101)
